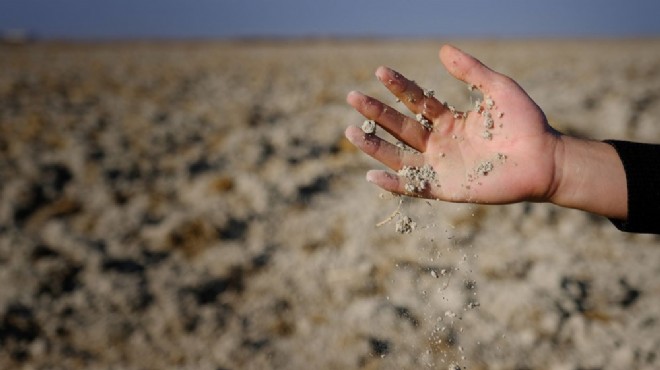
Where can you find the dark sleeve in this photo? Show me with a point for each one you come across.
(642, 165)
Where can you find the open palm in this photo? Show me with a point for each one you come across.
(502, 151)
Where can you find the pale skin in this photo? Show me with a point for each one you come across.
(530, 160)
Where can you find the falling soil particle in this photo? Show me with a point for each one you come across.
(405, 225)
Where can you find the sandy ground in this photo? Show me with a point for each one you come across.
(195, 206)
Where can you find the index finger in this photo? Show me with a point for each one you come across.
(468, 69)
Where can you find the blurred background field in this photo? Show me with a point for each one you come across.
(195, 205)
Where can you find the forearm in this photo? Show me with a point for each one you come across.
(590, 177)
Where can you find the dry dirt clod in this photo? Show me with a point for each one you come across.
(369, 126)
(484, 168)
(418, 178)
(423, 121)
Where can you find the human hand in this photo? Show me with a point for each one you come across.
(463, 156)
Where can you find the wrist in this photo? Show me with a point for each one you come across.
(589, 176)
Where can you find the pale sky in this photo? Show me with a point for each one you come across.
(93, 19)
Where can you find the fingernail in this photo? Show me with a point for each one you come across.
(384, 73)
(351, 134)
(371, 176)
(355, 94)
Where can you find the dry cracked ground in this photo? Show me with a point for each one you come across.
(195, 206)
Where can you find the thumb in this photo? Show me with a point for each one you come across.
(467, 68)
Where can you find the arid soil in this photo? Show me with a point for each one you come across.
(195, 206)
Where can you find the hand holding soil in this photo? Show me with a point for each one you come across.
(503, 151)
(500, 152)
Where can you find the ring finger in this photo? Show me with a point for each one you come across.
(390, 155)
(399, 125)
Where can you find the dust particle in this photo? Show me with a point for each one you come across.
(490, 103)
(488, 122)
(473, 305)
(411, 98)
(487, 135)
(477, 106)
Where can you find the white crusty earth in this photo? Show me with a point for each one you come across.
(194, 205)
